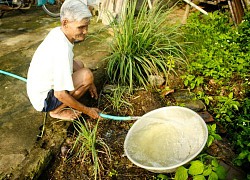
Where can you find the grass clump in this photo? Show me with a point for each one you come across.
(119, 98)
(86, 144)
(143, 45)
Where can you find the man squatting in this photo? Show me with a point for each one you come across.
(55, 80)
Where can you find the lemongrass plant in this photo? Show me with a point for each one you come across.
(118, 99)
(85, 146)
(144, 44)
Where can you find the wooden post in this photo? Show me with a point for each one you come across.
(150, 4)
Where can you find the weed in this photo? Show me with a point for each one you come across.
(113, 173)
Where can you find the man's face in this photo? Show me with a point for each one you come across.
(76, 30)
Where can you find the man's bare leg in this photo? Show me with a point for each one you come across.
(82, 80)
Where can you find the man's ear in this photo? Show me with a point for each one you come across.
(65, 23)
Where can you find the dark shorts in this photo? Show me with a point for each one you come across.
(51, 102)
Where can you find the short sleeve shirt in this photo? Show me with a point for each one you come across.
(51, 68)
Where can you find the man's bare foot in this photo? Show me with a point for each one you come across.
(65, 114)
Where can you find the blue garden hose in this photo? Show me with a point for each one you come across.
(13, 75)
(118, 118)
(105, 116)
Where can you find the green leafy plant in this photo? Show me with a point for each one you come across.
(241, 135)
(214, 48)
(244, 33)
(162, 177)
(85, 146)
(219, 51)
(243, 156)
(143, 45)
(112, 173)
(226, 107)
(207, 167)
(212, 134)
(202, 96)
(192, 81)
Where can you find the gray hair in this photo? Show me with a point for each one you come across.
(74, 10)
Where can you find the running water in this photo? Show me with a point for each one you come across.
(164, 143)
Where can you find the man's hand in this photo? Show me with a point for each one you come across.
(93, 113)
(93, 91)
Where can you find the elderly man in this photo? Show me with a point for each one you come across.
(55, 80)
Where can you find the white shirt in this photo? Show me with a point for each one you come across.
(51, 68)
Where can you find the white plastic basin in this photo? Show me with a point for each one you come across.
(166, 138)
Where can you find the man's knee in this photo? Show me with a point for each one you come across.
(77, 65)
(88, 75)
(83, 76)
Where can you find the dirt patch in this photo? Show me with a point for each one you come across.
(67, 165)
(113, 133)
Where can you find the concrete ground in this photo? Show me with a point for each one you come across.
(22, 154)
